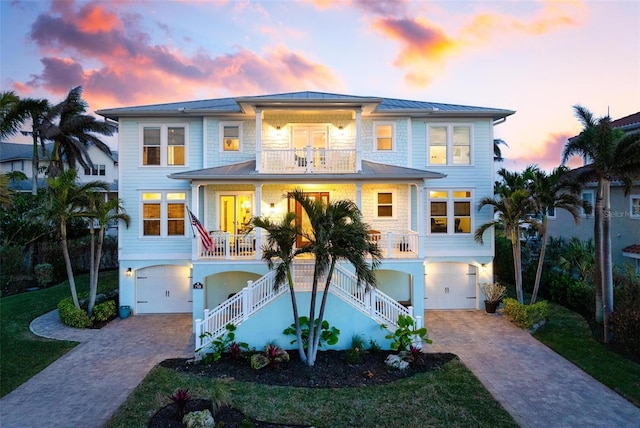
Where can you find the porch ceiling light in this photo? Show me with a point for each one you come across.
(129, 272)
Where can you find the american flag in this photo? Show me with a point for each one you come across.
(207, 242)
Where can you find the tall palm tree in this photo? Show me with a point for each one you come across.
(337, 233)
(279, 251)
(513, 205)
(14, 112)
(72, 131)
(614, 156)
(103, 212)
(497, 151)
(66, 200)
(549, 193)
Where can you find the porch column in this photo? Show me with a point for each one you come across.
(195, 208)
(420, 225)
(359, 195)
(258, 213)
(358, 140)
(258, 140)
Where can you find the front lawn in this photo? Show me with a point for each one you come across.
(24, 354)
(452, 396)
(568, 333)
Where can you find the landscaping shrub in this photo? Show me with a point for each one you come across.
(72, 316)
(503, 261)
(626, 317)
(103, 311)
(525, 316)
(43, 273)
(572, 293)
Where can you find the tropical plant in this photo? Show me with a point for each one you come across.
(513, 206)
(614, 155)
(549, 192)
(337, 233)
(578, 258)
(14, 112)
(493, 291)
(328, 335)
(67, 200)
(180, 398)
(406, 334)
(103, 213)
(72, 131)
(223, 343)
(497, 151)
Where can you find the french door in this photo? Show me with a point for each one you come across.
(309, 143)
(302, 220)
(235, 213)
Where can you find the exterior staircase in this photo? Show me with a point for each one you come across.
(258, 294)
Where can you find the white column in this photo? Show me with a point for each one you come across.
(258, 140)
(358, 140)
(420, 225)
(258, 213)
(359, 195)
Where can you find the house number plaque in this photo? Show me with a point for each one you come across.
(197, 286)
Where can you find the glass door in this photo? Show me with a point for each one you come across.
(302, 220)
(310, 143)
(235, 213)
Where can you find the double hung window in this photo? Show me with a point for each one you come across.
(231, 136)
(449, 144)
(384, 137)
(450, 211)
(164, 145)
(163, 213)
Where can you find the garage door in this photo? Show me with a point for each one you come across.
(450, 286)
(163, 289)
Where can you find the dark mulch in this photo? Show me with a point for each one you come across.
(331, 370)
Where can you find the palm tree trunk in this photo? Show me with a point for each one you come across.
(311, 358)
(597, 241)
(323, 304)
(34, 166)
(517, 262)
(543, 248)
(296, 318)
(607, 267)
(92, 272)
(95, 267)
(67, 263)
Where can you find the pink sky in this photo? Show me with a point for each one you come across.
(538, 58)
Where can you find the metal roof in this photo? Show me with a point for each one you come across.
(371, 171)
(24, 151)
(305, 99)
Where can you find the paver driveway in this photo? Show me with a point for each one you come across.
(535, 385)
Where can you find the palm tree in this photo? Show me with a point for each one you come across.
(279, 252)
(71, 131)
(103, 212)
(497, 152)
(548, 193)
(578, 257)
(14, 112)
(66, 200)
(513, 205)
(337, 233)
(613, 156)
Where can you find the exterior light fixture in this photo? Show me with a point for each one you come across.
(129, 272)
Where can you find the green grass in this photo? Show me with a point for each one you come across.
(24, 354)
(569, 335)
(448, 397)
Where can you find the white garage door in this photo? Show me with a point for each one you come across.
(163, 289)
(450, 286)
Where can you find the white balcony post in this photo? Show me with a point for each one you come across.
(389, 244)
(258, 140)
(372, 302)
(227, 245)
(358, 140)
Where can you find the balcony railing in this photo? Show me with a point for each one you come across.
(227, 246)
(296, 161)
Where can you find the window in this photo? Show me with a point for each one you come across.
(96, 170)
(589, 196)
(449, 144)
(163, 214)
(385, 205)
(635, 206)
(384, 137)
(230, 136)
(164, 145)
(450, 211)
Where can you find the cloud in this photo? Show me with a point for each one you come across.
(547, 157)
(114, 59)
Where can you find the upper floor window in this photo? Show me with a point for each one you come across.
(163, 213)
(449, 144)
(231, 135)
(164, 145)
(450, 211)
(635, 206)
(384, 207)
(384, 137)
(96, 170)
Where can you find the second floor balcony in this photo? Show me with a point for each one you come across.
(308, 160)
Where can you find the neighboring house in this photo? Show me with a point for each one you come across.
(415, 169)
(625, 212)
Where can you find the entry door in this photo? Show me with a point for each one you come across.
(302, 220)
(235, 213)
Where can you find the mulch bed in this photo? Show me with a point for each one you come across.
(331, 370)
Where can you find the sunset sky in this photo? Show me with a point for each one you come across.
(538, 58)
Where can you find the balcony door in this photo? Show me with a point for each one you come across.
(235, 213)
(302, 219)
(311, 137)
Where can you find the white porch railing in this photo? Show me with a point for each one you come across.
(227, 246)
(296, 161)
(256, 295)
(397, 245)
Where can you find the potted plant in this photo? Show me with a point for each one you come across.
(493, 294)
